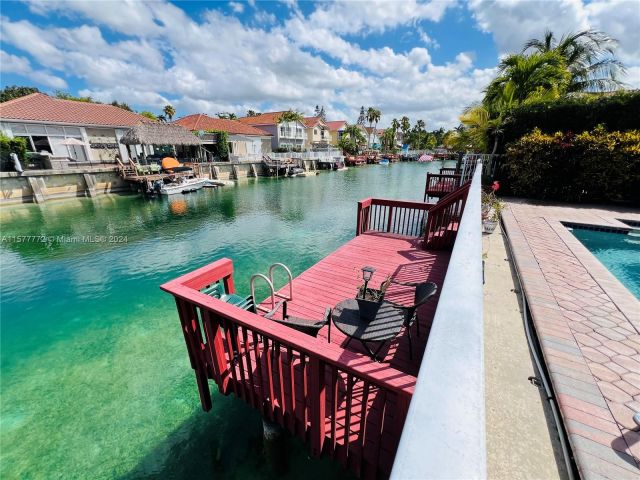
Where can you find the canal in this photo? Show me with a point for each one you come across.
(95, 375)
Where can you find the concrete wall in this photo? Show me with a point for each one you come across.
(42, 185)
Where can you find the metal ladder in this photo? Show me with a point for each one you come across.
(269, 282)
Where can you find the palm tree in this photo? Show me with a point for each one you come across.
(371, 114)
(395, 124)
(376, 118)
(351, 138)
(169, 112)
(480, 126)
(588, 56)
(405, 127)
(523, 76)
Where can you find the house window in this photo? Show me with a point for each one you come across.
(315, 131)
(41, 143)
(282, 131)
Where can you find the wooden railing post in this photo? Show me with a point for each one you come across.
(359, 220)
(317, 400)
(390, 219)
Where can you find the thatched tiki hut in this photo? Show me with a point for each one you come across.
(158, 139)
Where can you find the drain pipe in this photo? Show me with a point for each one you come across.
(543, 376)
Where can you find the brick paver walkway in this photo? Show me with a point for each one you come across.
(588, 325)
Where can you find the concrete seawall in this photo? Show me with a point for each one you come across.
(38, 186)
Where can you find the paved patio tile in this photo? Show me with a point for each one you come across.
(588, 325)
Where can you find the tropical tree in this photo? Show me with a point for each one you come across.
(373, 117)
(351, 139)
(290, 116)
(15, 91)
(149, 115)
(588, 56)
(227, 115)
(405, 128)
(252, 113)
(523, 77)
(480, 126)
(122, 105)
(169, 112)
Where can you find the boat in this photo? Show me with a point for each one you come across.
(295, 172)
(384, 161)
(180, 185)
(425, 158)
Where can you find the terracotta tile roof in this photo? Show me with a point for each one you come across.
(336, 124)
(312, 121)
(43, 108)
(201, 121)
(268, 118)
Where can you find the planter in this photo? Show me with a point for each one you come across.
(488, 226)
(368, 308)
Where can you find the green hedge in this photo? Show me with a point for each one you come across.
(8, 145)
(596, 166)
(617, 112)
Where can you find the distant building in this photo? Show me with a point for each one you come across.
(68, 130)
(246, 142)
(372, 135)
(336, 129)
(317, 132)
(289, 135)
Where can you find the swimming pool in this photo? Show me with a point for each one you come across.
(618, 251)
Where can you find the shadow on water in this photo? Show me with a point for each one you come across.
(227, 443)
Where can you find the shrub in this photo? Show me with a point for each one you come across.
(596, 166)
(579, 113)
(8, 145)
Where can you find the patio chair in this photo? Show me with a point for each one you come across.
(304, 325)
(217, 291)
(424, 291)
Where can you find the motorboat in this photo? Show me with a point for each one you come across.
(180, 185)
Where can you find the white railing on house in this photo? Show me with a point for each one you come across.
(444, 433)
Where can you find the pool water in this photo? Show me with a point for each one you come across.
(619, 252)
(95, 375)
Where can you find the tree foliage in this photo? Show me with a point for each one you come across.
(227, 115)
(149, 115)
(16, 91)
(122, 105)
(169, 111)
(351, 139)
(62, 95)
(290, 116)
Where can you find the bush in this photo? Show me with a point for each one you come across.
(596, 166)
(8, 145)
(617, 111)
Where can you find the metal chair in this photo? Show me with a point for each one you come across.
(424, 291)
(304, 325)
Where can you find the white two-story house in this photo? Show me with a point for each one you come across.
(289, 135)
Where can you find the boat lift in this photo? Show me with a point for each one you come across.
(270, 282)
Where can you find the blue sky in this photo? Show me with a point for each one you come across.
(426, 59)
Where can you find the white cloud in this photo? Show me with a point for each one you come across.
(22, 66)
(216, 63)
(237, 7)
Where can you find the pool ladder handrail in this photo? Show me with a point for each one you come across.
(269, 281)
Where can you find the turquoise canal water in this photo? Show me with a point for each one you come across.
(95, 375)
(618, 252)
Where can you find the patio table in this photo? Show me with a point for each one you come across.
(386, 325)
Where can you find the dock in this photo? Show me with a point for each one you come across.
(333, 396)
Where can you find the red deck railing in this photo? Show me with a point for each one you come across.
(438, 185)
(444, 219)
(399, 217)
(321, 393)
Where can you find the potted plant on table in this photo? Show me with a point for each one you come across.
(491, 209)
(370, 299)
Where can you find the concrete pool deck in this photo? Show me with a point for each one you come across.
(588, 326)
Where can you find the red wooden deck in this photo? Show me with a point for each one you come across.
(338, 276)
(337, 399)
